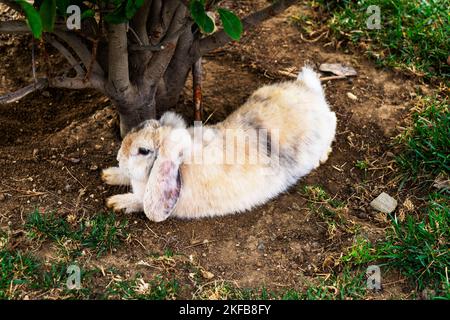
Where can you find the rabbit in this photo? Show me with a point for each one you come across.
(159, 159)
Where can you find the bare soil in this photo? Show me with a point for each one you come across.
(53, 145)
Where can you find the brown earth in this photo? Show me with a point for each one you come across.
(53, 145)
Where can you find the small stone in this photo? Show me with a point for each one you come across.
(384, 203)
(362, 215)
(97, 147)
(94, 167)
(2, 197)
(207, 274)
(35, 152)
(352, 96)
(46, 94)
(74, 160)
(261, 246)
(390, 154)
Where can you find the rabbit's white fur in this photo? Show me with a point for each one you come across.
(166, 182)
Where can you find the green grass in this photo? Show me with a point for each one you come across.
(23, 273)
(414, 34)
(331, 210)
(426, 142)
(101, 233)
(420, 248)
(16, 269)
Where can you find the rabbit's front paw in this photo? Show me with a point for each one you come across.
(115, 176)
(127, 202)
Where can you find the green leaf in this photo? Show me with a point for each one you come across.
(48, 14)
(132, 7)
(231, 23)
(129, 9)
(87, 14)
(33, 19)
(200, 17)
(117, 16)
(61, 7)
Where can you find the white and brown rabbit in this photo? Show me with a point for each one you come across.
(280, 134)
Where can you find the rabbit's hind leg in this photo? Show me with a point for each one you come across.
(324, 157)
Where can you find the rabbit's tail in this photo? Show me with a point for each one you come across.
(310, 79)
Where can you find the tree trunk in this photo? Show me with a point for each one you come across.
(131, 115)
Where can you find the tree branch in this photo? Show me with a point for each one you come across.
(80, 49)
(66, 53)
(220, 38)
(118, 73)
(40, 84)
(56, 82)
(139, 22)
(70, 38)
(161, 59)
(20, 26)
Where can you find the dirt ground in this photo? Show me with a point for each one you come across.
(53, 145)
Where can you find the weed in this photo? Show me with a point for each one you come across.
(413, 33)
(419, 248)
(101, 233)
(426, 142)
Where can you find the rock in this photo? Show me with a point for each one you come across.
(338, 69)
(352, 96)
(74, 160)
(261, 246)
(362, 215)
(384, 203)
(2, 197)
(94, 167)
(207, 274)
(97, 147)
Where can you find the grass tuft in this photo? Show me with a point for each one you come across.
(420, 248)
(413, 34)
(427, 141)
(101, 233)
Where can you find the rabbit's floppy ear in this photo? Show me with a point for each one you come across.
(164, 183)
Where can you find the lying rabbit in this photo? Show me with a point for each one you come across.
(155, 158)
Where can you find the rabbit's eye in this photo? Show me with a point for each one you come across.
(144, 151)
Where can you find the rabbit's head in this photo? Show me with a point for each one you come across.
(140, 146)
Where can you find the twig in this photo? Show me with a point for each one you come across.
(197, 89)
(82, 185)
(93, 60)
(33, 62)
(40, 84)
